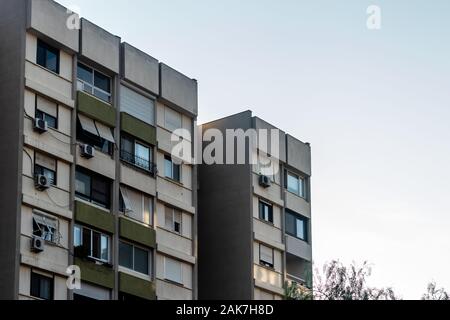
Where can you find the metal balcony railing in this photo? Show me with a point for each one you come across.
(141, 163)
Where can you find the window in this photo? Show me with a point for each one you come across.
(136, 205)
(266, 256)
(137, 105)
(46, 166)
(41, 286)
(94, 82)
(47, 111)
(94, 244)
(295, 184)
(95, 134)
(92, 188)
(47, 56)
(297, 226)
(134, 258)
(137, 153)
(172, 119)
(173, 220)
(45, 228)
(173, 270)
(265, 211)
(172, 170)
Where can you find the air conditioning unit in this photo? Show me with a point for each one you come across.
(41, 182)
(87, 151)
(37, 244)
(264, 181)
(40, 125)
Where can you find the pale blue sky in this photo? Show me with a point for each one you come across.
(374, 105)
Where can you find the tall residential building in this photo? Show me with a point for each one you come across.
(87, 173)
(254, 228)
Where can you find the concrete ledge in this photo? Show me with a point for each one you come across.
(46, 206)
(177, 254)
(94, 217)
(97, 274)
(137, 232)
(96, 109)
(136, 286)
(261, 238)
(36, 144)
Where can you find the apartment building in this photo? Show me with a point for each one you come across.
(87, 173)
(255, 229)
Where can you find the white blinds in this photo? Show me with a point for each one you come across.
(88, 124)
(266, 254)
(173, 270)
(105, 132)
(137, 105)
(46, 106)
(45, 161)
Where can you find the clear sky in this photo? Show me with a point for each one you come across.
(375, 105)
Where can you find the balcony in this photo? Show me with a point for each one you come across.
(143, 164)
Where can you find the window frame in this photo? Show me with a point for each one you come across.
(95, 141)
(40, 278)
(181, 271)
(301, 184)
(48, 48)
(266, 263)
(305, 222)
(169, 159)
(133, 141)
(261, 204)
(91, 244)
(89, 198)
(40, 170)
(149, 258)
(54, 235)
(174, 212)
(92, 85)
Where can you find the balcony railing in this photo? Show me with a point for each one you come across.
(139, 162)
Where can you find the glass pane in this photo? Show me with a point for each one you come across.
(176, 172)
(85, 73)
(100, 192)
(83, 184)
(148, 209)
(101, 95)
(292, 183)
(52, 61)
(142, 154)
(50, 175)
(51, 121)
(86, 241)
(169, 218)
(168, 167)
(96, 249)
(126, 255)
(141, 260)
(104, 248)
(301, 229)
(290, 224)
(45, 289)
(41, 55)
(102, 82)
(77, 236)
(302, 188)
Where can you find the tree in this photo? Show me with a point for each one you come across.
(338, 282)
(435, 294)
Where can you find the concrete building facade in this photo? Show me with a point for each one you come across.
(89, 179)
(255, 230)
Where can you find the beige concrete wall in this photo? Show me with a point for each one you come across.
(168, 290)
(186, 230)
(137, 180)
(277, 212)
(268, 279)
(266, 295)
(102, 164)
(298, 204)
(277, 257)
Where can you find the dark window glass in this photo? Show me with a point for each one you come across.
(126, 255)
(93, 188)
(297, 226)
(172, 170)
(265, 212)
(47, 57)
(102, 82)
(52, 122)
(290, 224)
(140, 260)
(176, 172)
(41, 286)
(44, 231)
(85, 73)
(100, 192)
(87, 240)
